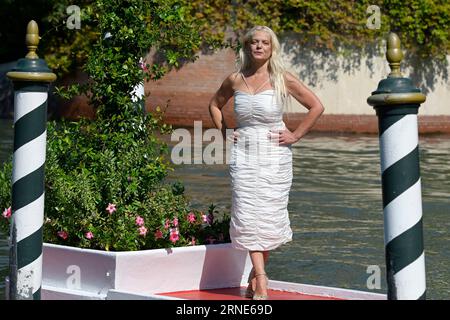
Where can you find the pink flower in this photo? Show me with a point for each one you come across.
(175, 222)
(139, 221)
(7, 213)
(158, 234)
(204, 217)
(167, 224)
(111, 208)
(142, 231)
(192, 243)
(89, 235)
(191, 217)
(174, 235)
(62, 234)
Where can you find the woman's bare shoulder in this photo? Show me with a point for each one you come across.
(230, 80)
(290, 78)
(233, 76)
(292, 82)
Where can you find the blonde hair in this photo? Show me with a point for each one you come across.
(276, 66)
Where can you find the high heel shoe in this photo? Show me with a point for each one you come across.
(261, 296)
(250, 291)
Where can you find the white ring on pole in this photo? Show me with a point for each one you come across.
(403, 212)
(416, 271)
(398, 140)
(29, 157)
(30, 218)
(25, 102)
(30, 276)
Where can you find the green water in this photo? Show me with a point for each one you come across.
(335, 210)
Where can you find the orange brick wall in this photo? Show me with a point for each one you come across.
(191, 88)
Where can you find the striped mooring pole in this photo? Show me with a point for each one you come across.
(396, 102)
(31, 78)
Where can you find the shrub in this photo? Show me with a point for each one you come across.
(104, 185)
(106, 190)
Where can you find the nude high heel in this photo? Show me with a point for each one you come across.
(250, 291)
(261, 296)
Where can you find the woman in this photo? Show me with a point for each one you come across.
(261, 157)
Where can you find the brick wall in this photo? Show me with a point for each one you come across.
(191, 88)
(188, 91)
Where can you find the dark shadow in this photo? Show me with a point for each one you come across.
(425, 72)
(6, 91)
(315, 58)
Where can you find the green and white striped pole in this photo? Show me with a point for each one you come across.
(31, 78)
(396, 102)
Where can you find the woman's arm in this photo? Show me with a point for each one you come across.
(310, 101)
(217, 102)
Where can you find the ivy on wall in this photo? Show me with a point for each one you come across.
(421, 24)
(328, 29)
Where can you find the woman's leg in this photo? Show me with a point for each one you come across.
(266, 257)
(251, 277)
(259, 258)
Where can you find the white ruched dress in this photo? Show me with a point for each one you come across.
(261, 175)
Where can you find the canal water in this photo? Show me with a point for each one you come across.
(335, 209)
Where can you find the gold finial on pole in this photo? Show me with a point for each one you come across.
(32, 39)
(31, 68)
(394, 55)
